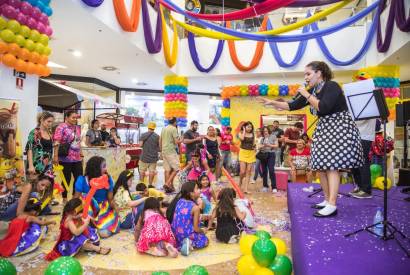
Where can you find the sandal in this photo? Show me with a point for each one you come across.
(107, 251)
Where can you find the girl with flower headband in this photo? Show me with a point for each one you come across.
(75, 233)
(25, 232)
(199, 165)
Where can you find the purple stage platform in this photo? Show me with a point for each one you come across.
(320, 248)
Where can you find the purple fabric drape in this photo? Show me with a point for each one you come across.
(195, 57)
(153, 46)
(93, 3)
(402, 22)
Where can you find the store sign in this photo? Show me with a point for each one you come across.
(20, 76)
(133, 119)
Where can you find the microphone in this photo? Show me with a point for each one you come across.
(298, 95)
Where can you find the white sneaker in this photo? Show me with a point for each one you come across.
(264, 189)
(274, 190)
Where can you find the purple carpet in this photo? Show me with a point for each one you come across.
(320, 248)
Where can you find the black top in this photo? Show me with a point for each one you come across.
(191, 135)
(105, 135)
(331, 100)
(248, 143)
(47, 144)
(212, 147)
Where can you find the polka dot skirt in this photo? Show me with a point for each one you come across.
(336, 143)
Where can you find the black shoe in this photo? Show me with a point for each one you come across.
(362, 195)
(316, 206)
(318, 215)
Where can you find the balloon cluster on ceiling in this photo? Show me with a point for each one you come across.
(267, 34)
(24, 35)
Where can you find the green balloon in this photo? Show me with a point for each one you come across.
(25, 31)
(7, 268)
(14, 26)
(64, 266)
(376, 170)
(262, 234)
(264, 252)
(7, 36)
(160, 273)
(281, 265)
(196, 270)
(20, 40)
(3, 23)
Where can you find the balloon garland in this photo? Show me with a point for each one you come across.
(24, 36)
(170, 58)
(176, 91)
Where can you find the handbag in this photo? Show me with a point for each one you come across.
(262, 156)
(64, 148)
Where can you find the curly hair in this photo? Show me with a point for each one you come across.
(321, 66)
(93, 167)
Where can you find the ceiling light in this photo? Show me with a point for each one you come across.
(51, 64)
(109, 68)
(77, 53)
(134, 80)
(142, 83)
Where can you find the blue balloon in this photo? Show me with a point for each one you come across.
(41, 5)
(33, 2)
(47, 10)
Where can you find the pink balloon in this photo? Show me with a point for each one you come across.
(31, 23)
(41, 27)
(21, 18)
(49, 31)
(25, 8)
(44, 19)
(2, 2)
(15, 3)
(9, 12)
(36, 13)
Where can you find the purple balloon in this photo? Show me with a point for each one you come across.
(9, 12)
(31, 23)
(15, 3)
(36, 12)
(49, 31)
(25, 8)
(41, 27)
(22, 18)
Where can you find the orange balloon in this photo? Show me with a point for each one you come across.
(20, 65)
(43, 60)
(3, 47)
(41, 70)
(24, 54)
(31, 68)
(13, 48)
(9, 60)
(96, 184)
(34, 57)
(47, 71)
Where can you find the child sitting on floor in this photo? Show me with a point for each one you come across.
(153, 232)
(206, 194)
(149, 191)
(76, 233)
(25, 231)
(198, 166)
(229, 218)
(184, 216)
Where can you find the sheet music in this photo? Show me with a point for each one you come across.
(358, 94)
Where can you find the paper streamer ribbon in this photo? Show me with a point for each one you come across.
(257, 55)
(96, 184)
(153, 46)
(59, 170)
(195, 58)
(228, 34)
(127, 23)
(93, 3)
(170, 59)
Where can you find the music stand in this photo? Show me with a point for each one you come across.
(375, 107)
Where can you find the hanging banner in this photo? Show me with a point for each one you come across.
(11, 153)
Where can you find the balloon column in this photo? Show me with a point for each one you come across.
(263, 255)
(24, 35)
(252, 90)
(387, 79)
(176, 101)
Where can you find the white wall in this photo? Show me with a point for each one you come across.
(198, 109)
(28, 97)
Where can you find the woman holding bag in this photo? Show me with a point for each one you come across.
(267, 156)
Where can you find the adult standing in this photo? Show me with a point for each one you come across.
(225, 148)
(279, 133)
(39, 147)
(105, 136)
(268, 144)
(169, 141)
(67, 138)
(291, 136)
(367, 129)
(93, 136)
(191, 139)
(212, 142)
(149, 142)
(257, 171)
(246, 154)
(336, 141)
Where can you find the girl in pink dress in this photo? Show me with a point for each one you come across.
(153, 233)
(198, 165)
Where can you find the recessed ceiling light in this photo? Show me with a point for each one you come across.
(134, 80)
(142, 83)
(51, 64)
(109, 68)
(76, 53)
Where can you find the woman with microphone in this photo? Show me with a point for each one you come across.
(336, 141)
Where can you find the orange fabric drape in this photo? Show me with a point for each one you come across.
(258, 52)
(127, 23)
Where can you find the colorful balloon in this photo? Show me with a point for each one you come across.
(14, 26)
(13, 48)
(280, 246)
(7, 36)
(246, 242)
(64, 265)
(9, 60)
(264, 251)
(281, 265)
(6, 267)
(263, 271)
(30, 45)
(196, 270)
(247, 265)
(25, 31)
(20, 40)
(3, 23)
(262, 234)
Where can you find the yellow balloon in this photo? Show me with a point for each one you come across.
(246, 242)
(264, 271)
(379, 183)
(247, 265)
(280, 246)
